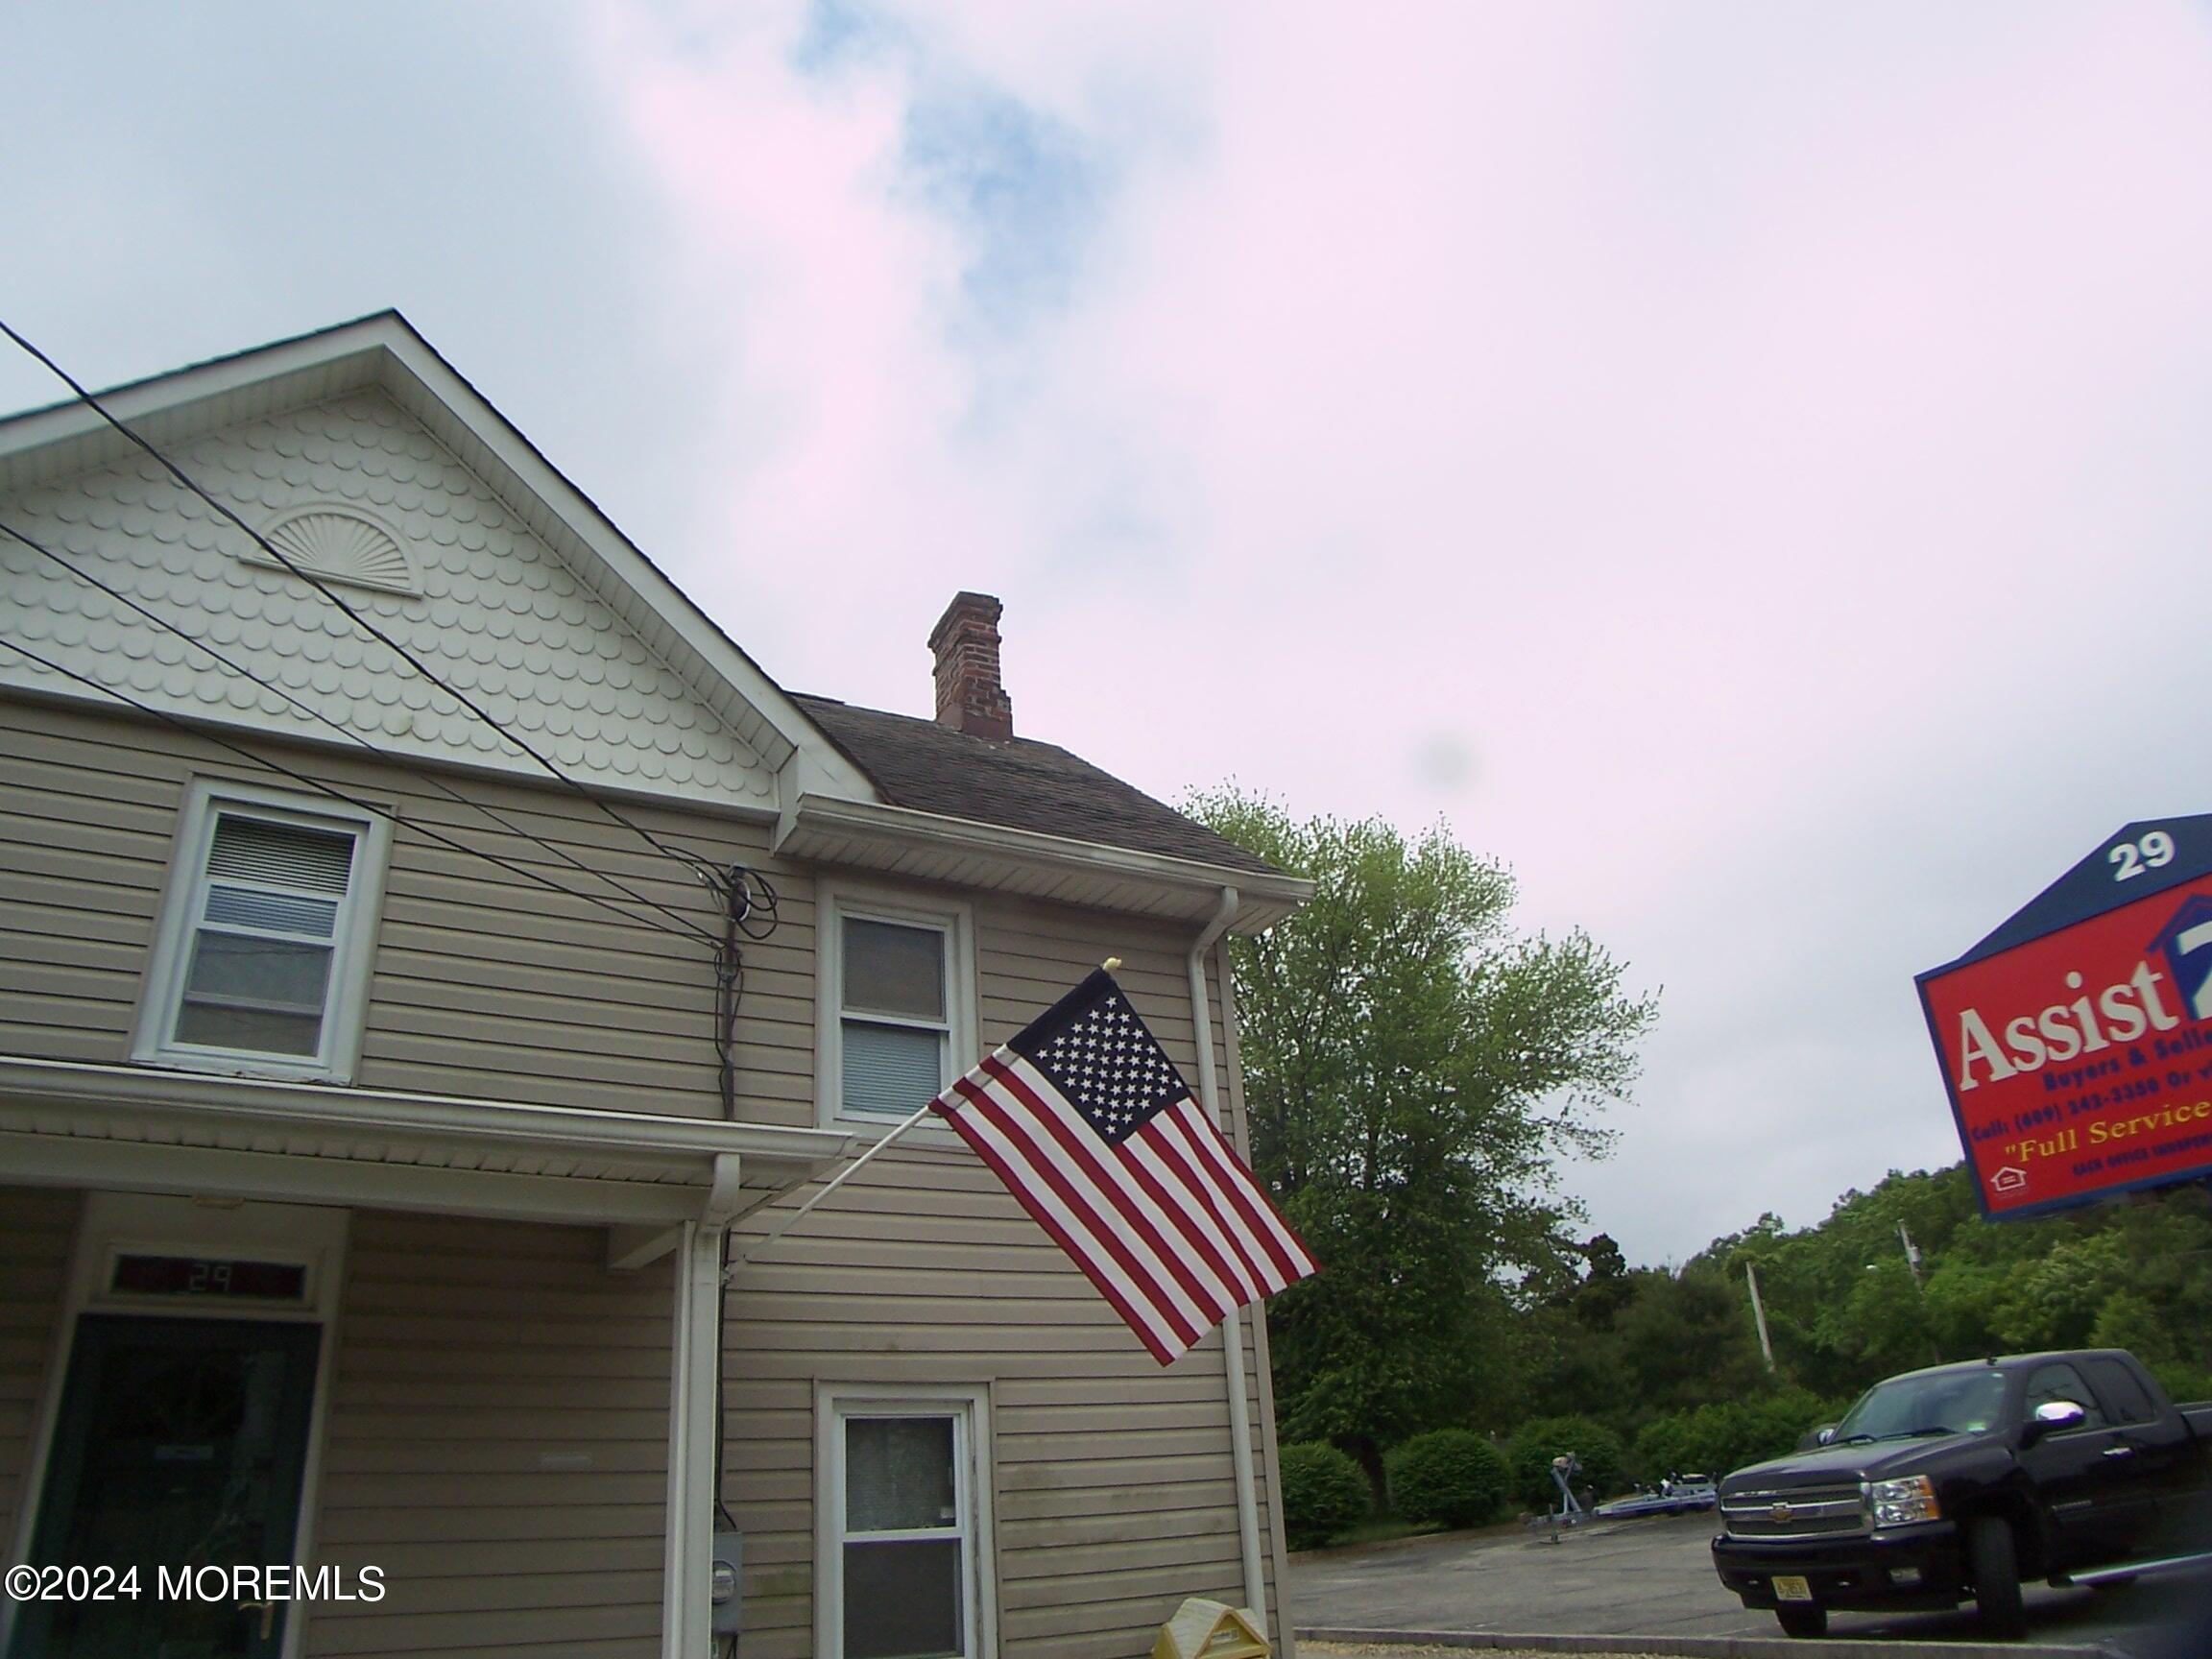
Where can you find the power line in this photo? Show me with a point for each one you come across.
(353, 737)
(700, 866)
(196, 729)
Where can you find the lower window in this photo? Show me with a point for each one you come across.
(903, 1491)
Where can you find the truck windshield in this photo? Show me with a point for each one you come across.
(1945, 1403)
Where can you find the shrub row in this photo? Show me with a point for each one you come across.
(1448, 1477)
(1454, 1477)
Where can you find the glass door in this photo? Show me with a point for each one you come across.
(180, 1447)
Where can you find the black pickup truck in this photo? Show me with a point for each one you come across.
(1962, 1480)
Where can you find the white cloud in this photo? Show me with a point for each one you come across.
(1742, 463)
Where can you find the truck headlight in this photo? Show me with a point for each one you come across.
(1900, 1503)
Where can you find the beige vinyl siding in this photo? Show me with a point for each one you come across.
(467, 1348)
(467, 1353)
(483, 983)
(83, 854)
(1112, 1490)
(37, 1230)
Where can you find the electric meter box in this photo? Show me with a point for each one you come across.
(726, 1584)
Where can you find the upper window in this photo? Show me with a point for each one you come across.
(264, 947)
(894, 1000)
(905, 1518)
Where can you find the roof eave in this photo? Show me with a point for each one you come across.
(928, 847)
(607, 1165)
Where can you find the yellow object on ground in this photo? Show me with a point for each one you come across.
(1203, 1629)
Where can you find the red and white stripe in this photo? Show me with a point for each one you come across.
(1169, 1225)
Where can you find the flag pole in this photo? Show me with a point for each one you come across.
(843, 1175)
(846, 1175)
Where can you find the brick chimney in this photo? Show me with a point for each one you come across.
(966, 642)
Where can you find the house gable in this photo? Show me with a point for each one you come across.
(363, 460)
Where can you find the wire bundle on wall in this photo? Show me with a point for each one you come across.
(749, 911)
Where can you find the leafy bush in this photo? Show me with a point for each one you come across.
(1540, 1439)
(1450, 1478)
(1679, 1443)
(1716, 1438)
(1324, 1494)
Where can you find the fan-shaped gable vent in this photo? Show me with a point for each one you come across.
(341, 545)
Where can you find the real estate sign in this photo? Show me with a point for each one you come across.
(2077, 1039)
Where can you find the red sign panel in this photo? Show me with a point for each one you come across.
(2079, 1061)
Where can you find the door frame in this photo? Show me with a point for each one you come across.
(308, 1235)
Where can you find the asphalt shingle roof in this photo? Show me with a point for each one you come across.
(1020, 784)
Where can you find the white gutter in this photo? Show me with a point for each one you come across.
(907, 840)
(694, 1368)
(1233, 1326)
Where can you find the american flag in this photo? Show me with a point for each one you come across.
(1091, 1128)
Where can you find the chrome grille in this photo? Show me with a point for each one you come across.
(1793, 1512)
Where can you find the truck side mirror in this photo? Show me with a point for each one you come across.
(2052, 1416)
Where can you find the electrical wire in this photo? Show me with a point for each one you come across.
(197, 730)
(749, 911)
(698, 864)
(352, 736)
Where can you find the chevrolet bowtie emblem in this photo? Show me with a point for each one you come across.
(1780, 1513)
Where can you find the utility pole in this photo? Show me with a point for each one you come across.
(1759, 1313)
(1912, 1260)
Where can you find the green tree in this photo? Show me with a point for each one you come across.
(1687, 1338)
(1845, 1307)
(1599, 1299)
(1414, 1070)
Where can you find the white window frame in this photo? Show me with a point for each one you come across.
(969, 1406)
(354, 938)
(835, 902)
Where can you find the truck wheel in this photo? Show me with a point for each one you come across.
(1993, 1564)
(1803, 1621)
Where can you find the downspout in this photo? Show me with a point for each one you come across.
(1232, 1327)
(695, 1407)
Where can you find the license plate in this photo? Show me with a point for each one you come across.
(1788, 1587)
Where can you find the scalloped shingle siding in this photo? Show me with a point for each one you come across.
(496, 614)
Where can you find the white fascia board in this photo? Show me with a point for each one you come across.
(385, 351)
(158, 1094)
(154, 1167)
(71, 436)
(1024, 861)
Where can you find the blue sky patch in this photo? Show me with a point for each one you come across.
(1025, 187)
(842, 32)
(1021, 187)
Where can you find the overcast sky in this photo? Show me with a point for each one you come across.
(1748, 466)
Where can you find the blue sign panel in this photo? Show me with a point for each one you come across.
(2133, 863)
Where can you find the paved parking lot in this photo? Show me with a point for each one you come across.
(1653, 1577)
